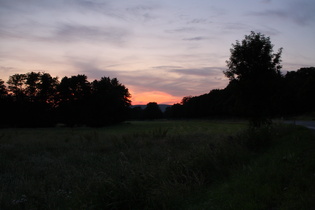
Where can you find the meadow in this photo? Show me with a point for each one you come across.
(195, 164)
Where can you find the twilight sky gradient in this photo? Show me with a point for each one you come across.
(162, 50)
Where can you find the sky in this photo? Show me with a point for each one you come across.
(161, 50)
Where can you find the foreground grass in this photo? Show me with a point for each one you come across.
(157, 165)
(281, 177)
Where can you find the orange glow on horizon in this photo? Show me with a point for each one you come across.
(159, 97)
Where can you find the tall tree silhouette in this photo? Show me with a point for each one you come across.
(74, 93)
(32, 85)
(47, 88)
(109, 102)
(256, 70)
(74, 88)
(16, 86)
(40, 90)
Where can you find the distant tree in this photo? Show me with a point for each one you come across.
(47, 88)
(5, 104)
(299, 91)
(175, 111)
(186, 99)
(152, 111)
(17, 106)
(37, 99)
(256, 70)
(16, 86)
(74, 88)
(33, 95)
(136, 113)
(31, 83)
(3, 89)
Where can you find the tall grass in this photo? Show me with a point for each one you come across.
(136, 165)
(280, 175)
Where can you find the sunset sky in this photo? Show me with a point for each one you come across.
(161, 50)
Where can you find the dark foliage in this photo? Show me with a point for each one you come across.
(257, 90)
(73, 94)
(136, 113)
(299, 91)
(256, 71)
(40, 100)
(109, 102)
(295, 95)
(152, 111)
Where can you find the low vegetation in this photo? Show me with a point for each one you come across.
(158, 165)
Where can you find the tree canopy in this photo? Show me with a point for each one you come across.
(152, 111)
(37, 99)
(256, 71)
(253, 59)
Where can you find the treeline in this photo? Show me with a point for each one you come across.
(152, 111)
(292, 94)
(37, 99)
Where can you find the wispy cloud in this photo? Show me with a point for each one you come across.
(235, 26)
(178, 82)
(167, 67)
(90, 5)
(197, 38)
(72, 33)
(267, 30)
(67, 33)
(142, 12)
(183, 30)
(199, 21)
(91, 68)
(207, 71)
(301, 13)
(6, 69)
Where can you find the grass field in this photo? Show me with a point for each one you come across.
(158, 165)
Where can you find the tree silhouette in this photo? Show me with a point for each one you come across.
(16, 84)
(5, 104)
(152, 111)
(74, 88)
(175, 111)
(3, 89)
(256, 71)
(31, 83)
(299, 91)
(37, 99)
(136, 113)
(47, 88)
(109, 102)
(257, 89)
(73, 94)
